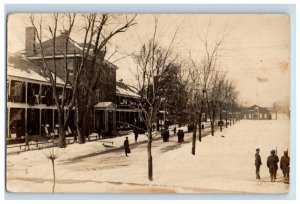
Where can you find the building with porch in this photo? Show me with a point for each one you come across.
(30, 102)
(256, 112)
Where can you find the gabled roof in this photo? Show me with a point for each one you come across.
(60, 47)
(256, 107)
(27, 69)
(123, 89)
(105, 106)
(74, 48)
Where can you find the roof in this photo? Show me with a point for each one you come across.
(60, 49)
(27, 69)
(105, 105)
(256, 107)
(126, 90)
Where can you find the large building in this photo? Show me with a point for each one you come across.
(30, 102)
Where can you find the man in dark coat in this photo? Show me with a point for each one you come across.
(126, 147)
(272, 165)
(285, 166)
(257, 163)
(136, 132)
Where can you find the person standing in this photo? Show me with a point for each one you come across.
(285, 166)
(257, 163)
(136, 134)
(126, 147)
(272, 165)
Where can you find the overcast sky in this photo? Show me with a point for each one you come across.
(255, 54)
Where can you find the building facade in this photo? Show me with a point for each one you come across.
(30, 101)
(257, 113)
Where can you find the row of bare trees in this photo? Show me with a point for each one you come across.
(208, 89)
(162, 75)
(212, 93)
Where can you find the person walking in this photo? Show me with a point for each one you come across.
(285, 166)
(136, 134)
(272, 165)
(126, 147)
(257, 163)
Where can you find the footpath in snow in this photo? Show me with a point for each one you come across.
(223, 163)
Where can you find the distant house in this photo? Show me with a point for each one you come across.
(256, 112)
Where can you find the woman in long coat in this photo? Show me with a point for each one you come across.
(126, 147)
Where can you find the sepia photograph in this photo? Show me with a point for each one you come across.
(148, 103)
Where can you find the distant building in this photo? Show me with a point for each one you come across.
(256, 112)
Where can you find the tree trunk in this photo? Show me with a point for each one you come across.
(61, 131)
(221, 120)
(82, 132)
(200, 128)
(61, 138)
(194, 138)
(180, 120)
(80, 126)
(53, 169)
(150, 165)
(226, 120)
(212, 128)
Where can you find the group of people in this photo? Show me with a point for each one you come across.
(272, 164)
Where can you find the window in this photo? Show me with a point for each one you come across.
(33, 94)
(16, 123)
(46, 95)
(97, 95)
(17, 91)
(33, 121)
(70, 67)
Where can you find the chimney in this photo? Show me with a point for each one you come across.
(30, 47)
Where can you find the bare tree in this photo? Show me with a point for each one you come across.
(209, 71)
(52, 73)
(194, 98)
(98, 30)
(153, 65)
(51, 152)
(97, 33)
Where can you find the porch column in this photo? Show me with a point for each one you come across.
(106, 120)
(25, 121)
(40, 129)
(114, 121)
(8, 122)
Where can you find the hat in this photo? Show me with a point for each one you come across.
(257, 149)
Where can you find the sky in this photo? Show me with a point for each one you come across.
(255, 53)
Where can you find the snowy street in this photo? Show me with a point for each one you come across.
(223, 163)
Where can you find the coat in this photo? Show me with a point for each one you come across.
(257, 160)
(272, 162)
(285, 164)
(126, 146)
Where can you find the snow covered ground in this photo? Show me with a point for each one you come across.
(223, 163)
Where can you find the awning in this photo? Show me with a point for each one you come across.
(105, 106)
